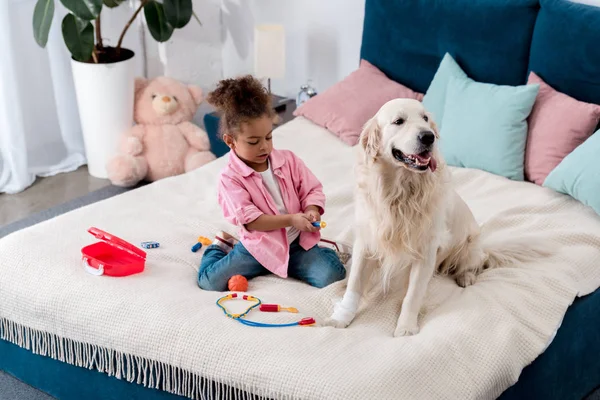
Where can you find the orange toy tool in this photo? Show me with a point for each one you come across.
(276, 308)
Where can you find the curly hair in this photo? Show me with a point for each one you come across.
(239, 100)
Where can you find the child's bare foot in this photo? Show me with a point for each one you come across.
(225, 241)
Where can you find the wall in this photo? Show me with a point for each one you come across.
(193, 54)
(321, 44)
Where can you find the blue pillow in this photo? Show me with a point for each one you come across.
(485, 126)
(565, 49)
(578, 174)
(435, 98)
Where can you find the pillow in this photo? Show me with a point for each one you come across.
(578, 174)
(346, 106)
(485, 126)
(435, 98)
(565, 48)
(557, 125)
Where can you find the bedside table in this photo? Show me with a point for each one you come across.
(211, 125)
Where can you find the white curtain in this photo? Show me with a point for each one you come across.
(40, 133)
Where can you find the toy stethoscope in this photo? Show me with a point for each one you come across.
(262, 307)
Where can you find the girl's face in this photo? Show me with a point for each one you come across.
(253, 142)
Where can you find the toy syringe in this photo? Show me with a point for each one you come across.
(276, 308)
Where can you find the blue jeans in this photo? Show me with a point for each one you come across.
(319, 267)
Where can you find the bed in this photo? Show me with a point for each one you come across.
(519, 332)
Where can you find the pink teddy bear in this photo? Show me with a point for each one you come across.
(164, 142)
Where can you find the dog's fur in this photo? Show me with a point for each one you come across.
(409, 222)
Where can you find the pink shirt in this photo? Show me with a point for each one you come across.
(244, 197)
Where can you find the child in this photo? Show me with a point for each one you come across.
(269, 194)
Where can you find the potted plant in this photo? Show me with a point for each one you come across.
(104, 75)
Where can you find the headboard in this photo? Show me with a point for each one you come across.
(494, 41)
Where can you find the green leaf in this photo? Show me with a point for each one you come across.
(178, 12)
(42, 20)
(84, 9)
(159, 28)
(113, 3)
(79, 37)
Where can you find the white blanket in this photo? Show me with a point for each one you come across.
(473, 342)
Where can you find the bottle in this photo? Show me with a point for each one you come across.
(305, 93)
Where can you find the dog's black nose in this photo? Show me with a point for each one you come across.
(426, 138)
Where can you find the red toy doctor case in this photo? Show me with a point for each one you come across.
(112, 256)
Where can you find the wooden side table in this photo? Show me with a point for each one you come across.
(211, 125)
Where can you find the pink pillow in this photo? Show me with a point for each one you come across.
(557, 125)
(346, 106)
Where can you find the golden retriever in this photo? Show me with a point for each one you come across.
(409, 222)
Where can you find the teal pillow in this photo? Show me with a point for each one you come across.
(435, 98)
(485, 126)
(578, 174)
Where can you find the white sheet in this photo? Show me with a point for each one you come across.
(473, 342)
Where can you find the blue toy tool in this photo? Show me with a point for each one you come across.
(201, 241)
(319, 224)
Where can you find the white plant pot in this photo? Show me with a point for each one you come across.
(105, 99)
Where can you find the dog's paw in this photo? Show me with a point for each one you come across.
(335, 323)
(402, 330)
(466, 279)
(342, 315)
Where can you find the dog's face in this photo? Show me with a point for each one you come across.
(404, 133)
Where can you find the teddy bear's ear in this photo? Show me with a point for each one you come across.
(196, 93)
(140, 83)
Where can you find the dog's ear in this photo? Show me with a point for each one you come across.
(370, 138)
(433, 125)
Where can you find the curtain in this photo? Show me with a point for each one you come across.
(40, 133)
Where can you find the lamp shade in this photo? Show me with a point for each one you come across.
(269, 51)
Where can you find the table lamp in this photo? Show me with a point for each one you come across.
(269, 57)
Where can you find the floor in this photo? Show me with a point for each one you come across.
(13, 389)
(46, 193)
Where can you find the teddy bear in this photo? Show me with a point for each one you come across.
(163, 142)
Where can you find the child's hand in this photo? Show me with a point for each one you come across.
(302, 222)
(313, 214)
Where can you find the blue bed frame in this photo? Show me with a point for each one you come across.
(421, 32)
